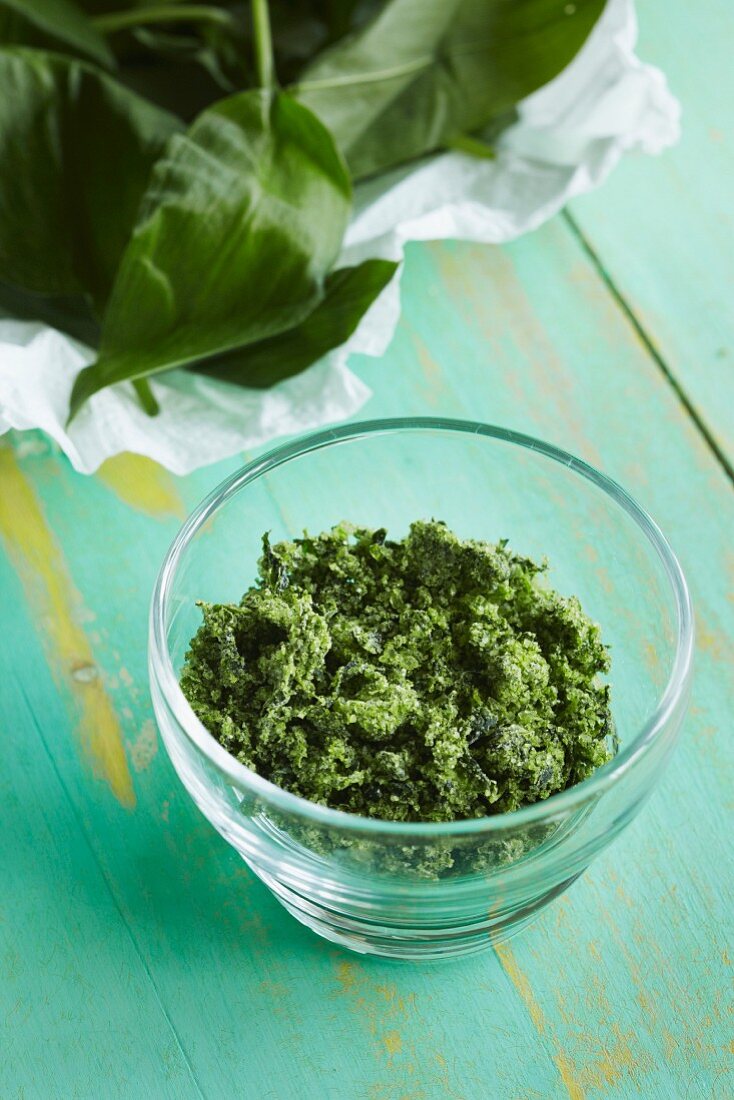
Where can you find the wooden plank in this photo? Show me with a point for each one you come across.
(74, 988)
(664, 229)
(649, 928)
(588, 1001)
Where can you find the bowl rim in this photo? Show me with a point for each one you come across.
(163, 675)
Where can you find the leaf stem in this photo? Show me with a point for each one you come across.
(263, 44)
(146, 397)
(465, 143)
(170, 13)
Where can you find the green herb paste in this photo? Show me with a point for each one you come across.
(429, 679)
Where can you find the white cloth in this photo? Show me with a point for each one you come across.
(569, 136)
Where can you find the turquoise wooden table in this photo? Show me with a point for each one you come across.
(138, 956)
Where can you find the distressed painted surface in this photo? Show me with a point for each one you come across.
(142, 484)
(666, 235)
(32, 548)
(138, 957)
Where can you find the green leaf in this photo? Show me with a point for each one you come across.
(422, 71)
(340, 17)
(184, 90)
(54, 24)
(76, 149)
(348, 295)
(71, 315)
(100, 7)
(243, 219)
(214, 50)
(182, 65)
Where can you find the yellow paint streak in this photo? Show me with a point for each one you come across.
(145, 746)
(606, 1061)
(435, 385)
(522, 985)
(611, 1057)
(670, 1044)
(594, 951)
(143, 484)
(389, 1014)
(565, 1069)
(535, 372)
(620, 1056)
(346, 974)
(713, 642)
(651, 657)
(49, 590)
(393, 1042)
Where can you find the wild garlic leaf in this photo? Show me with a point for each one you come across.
(213, 51)
(72, 315)
(300, 30)
(76, 149)
(53, 24)
(422, 71)
(348, 294)
(243, 218)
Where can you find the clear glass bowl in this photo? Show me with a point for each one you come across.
(431, 890)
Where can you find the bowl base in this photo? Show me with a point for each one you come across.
(426, 944)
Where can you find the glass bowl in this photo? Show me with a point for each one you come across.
(431, 890)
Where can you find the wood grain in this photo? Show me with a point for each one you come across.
(664, 232)
(80, 1012)
(138, 955)
(41, 566)
(621, 989)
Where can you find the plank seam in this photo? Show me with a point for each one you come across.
(111, 892)
(649, 344)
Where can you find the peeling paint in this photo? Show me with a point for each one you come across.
(57, 609)
(142, 484)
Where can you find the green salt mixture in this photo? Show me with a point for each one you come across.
(427, 679)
